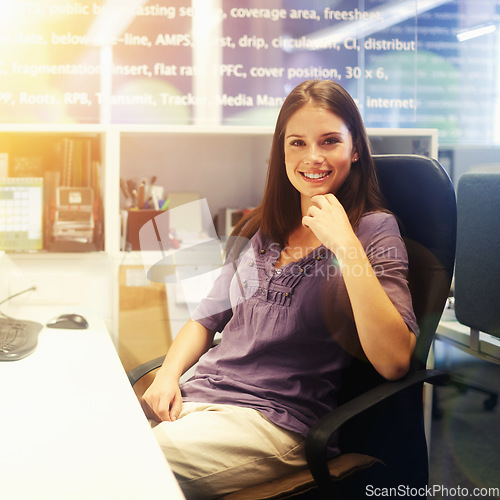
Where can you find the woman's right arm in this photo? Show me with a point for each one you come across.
(162, 400)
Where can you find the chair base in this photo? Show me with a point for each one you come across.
(464, 384)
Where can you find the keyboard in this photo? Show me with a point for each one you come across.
(18, 338)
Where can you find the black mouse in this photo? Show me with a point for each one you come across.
(69, 321)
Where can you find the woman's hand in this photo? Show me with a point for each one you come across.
(390, 352)
(162, 401)
(328, 221)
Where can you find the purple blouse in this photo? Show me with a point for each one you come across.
(288, 333)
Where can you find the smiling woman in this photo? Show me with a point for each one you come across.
(318, 152)
(298, 301)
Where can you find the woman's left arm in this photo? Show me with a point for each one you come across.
(384, 336)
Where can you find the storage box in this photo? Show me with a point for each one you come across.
(74, 215)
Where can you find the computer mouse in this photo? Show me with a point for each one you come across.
(69, 321)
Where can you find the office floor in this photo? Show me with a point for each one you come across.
(465, 442)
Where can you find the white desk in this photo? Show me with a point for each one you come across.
(486, 346)
(71, 426)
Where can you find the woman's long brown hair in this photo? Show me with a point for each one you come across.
(280, 210)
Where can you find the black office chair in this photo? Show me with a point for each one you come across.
(380, 424)
(477, 276)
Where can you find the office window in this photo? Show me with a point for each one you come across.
(409, 64)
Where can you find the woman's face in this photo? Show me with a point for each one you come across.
(318, 151)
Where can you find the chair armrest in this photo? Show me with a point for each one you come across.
(316, 442)
(139, 371)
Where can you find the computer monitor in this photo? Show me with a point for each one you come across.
(21, 213)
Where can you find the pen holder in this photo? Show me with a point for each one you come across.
(136, 219)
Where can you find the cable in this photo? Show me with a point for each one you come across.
(13, 296)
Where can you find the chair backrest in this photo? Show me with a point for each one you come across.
(420, 193)
(477, 271)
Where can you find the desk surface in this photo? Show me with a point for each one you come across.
(457, 334)
(72, 427)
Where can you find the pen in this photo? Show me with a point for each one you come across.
(154, 199)
(142, 195)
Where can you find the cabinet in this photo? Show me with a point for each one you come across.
(225, 165)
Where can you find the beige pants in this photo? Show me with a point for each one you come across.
(217, 449)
